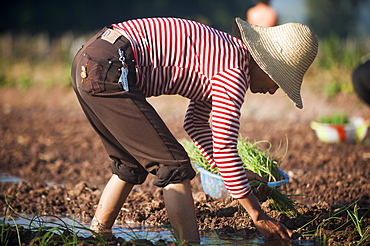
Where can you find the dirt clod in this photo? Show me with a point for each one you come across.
(51, 146)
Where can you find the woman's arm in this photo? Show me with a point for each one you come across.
(267, 226)
(197, 126)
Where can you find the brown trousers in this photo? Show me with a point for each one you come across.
(133, 134)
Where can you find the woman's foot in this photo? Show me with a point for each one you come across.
(101, 230)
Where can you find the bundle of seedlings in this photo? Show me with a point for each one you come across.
(336, 119)
(256, 160)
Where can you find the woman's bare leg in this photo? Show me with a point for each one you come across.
(111, 201)
(181, 212)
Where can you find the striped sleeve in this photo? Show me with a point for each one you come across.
(197, 126)
(227, 99)
(219, 143)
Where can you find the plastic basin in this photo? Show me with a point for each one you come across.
(213, 184)
(354, 131)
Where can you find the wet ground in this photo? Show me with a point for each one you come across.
(46, 141)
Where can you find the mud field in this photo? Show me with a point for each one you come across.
(46, 141)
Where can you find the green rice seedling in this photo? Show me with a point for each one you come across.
(324, 230)
(256, 160)
(53, 230)
(46, 229)
(364, 233)
(283, 202)
(336, 119)
(40, 230)
(57, 231)
(4, 233)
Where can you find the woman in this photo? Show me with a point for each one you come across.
(123, 64)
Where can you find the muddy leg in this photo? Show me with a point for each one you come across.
(181, 212)
(111, 201)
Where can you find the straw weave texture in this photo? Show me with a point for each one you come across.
(283, 52)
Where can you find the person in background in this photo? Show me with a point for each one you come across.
(114, 72)
(361, 79)
(262, 14)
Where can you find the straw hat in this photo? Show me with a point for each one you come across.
(283, 52)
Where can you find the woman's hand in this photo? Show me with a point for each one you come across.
(263, 191)
(272, 229)
(267, 226)
(254, 176)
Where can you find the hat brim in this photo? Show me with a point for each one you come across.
(268, 47)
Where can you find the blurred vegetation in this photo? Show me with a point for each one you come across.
(337, 58)
(38, 39)
(27, 60)
(44, 61)
(335, 16)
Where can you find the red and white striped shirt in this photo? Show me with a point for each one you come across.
(210, 67)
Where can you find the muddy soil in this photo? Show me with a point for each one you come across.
(46, 141)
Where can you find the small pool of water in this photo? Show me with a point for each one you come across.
(133, 231)
(6, 178)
